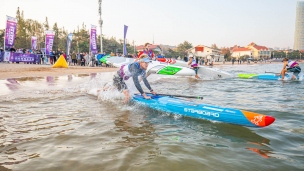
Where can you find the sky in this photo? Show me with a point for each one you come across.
(225, 23)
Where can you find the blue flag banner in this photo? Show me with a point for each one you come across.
(125, 47)
(69, 41)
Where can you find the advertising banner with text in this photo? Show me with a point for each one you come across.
(10, 32)
(93, 40)
(49, 40)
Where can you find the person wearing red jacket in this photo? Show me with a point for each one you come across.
(147, 51)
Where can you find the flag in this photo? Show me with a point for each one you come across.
(93, 40)
(10, 32)
(125, 47)
(69, 41)
(49, 40)
(34, 43)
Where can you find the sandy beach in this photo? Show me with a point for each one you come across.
(30, 70)
(13, 70)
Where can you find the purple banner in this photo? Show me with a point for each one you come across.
(34, 43)
(125, 35)
(49, 39)
(23, 57)
(93, 40)
(10, 32)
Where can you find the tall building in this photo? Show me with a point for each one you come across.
(299, 31)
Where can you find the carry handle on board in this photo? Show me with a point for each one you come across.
(175, 95)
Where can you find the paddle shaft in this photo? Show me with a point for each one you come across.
(273, 73)
(172, 95)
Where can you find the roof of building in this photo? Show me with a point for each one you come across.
(257, 47)
(241, 49)
(252, 44)
(234, 47)
(260, 47)
(206, 47)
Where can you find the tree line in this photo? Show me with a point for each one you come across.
(26, 28)
(81, 43)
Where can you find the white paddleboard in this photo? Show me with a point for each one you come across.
(155, 67)
(205, 71)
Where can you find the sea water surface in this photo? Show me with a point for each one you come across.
(62, 123)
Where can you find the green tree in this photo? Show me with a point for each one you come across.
(226, 52)
(81, 39)
(56, 38)
(63, 34)
(110, 45)
(46, 24)
(20, 41)
(279, 54)
(182, 48)
(213, 46)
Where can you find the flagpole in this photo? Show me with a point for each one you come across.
(90, 44)
(44, 55)
(100, 24)
(4, 35)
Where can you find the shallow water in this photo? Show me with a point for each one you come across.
(55, 123)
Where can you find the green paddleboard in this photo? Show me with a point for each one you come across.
(246, 76)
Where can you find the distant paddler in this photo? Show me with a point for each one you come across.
(290, 66)
(193, 64)
(147, 51)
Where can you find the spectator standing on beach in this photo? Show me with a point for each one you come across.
(74, 60)
(52, 54)
(87, 59)
(78, 57)
(92, 60)
(13, 50)
(211, 63)
(82, 62)
(185, 58)
(64, 55)
(55, 56)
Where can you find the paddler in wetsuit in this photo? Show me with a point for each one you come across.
(133, 70)
(293, 66)
(147, 51)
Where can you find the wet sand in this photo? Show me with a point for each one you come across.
(26, 70)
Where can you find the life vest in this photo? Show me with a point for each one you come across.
(291, 64)
(149, 53)
(193, 64)
(124, 71)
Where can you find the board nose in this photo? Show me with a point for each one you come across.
(269, 120)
